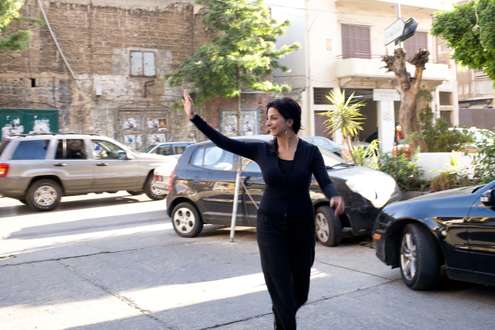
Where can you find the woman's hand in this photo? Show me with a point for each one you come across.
(187, 104)
(337, 203)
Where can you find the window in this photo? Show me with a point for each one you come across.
(320, 95)
(218, 159)
(35, 149)
(445, 98)
(180, 149)
(356, 41)
(418, 41)
(143, 64)
(197, 158)
(252, 167)
(164, 150)
(108, 150)
(213, 158)
(446, 115)
(71, 149)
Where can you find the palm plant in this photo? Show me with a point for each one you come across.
(344, 116)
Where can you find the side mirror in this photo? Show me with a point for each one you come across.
(488, 198)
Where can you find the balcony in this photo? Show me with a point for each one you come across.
(375, 68)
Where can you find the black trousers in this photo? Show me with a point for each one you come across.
(287, 251)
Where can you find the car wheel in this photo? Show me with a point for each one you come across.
(186, 220)
(44, 195)
(152, 191)
(419, 258)
(328, 227)
(134, 193)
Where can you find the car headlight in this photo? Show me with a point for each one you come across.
(378, 189)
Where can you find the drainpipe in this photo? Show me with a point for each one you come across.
(307, 64)
(48, 25)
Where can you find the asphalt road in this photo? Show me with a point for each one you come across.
(114, 262)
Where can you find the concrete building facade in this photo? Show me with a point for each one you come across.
(343, 43)
(103, 65)
(476, 99)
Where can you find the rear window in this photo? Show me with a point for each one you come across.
(3, 145)
(35, 149)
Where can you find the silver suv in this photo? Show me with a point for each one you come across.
(39, 169)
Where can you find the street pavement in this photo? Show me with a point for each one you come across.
(113, 261)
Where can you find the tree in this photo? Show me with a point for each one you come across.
(407, 86)
(17, 40)
(345, 116)
(240, 55)
(469, 30)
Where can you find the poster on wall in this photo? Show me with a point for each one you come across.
(133, 141)
(41, 126)
(159, 124)
(131, 123)
(249, 123)
(12, 127)
(156, 138)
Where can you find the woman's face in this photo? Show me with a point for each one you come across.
(276, 123)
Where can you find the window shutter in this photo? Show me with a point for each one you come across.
(149, 64)
(136, 63)
(356, 41)
(418, 41)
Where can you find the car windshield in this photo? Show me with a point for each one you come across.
(332, 160)
(150, 147)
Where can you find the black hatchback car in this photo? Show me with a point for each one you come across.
(201, 191)
(451, 231)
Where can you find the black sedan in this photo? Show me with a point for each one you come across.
(201, 191)
(450, 231)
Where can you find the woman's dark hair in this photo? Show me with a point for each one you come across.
(289, 109)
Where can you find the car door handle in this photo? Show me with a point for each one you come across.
(60, 164)
(102, 164)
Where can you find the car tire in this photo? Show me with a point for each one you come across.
(419, 258)
(328, 227)
(134, 193)
(43, 195)
(186, 220)
(151, 191)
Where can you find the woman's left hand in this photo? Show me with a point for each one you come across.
(337, 203)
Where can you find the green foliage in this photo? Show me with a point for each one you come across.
(17, 40)
(241, 53)
(449, 180)
(345, 116)
(469, 29)
(367, 155)
(437, 136)
(484, 161)
(403, 170)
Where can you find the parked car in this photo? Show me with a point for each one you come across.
(201, 191)
(39, 169)
(172, 150)
(163, 172)
(451, 231)
(325, 143)
(168, 148)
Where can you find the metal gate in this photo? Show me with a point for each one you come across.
(26, 121)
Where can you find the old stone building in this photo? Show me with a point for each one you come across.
(102, 65)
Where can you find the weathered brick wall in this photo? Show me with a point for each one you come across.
(97, 38)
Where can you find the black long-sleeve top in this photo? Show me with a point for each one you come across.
(286, 194)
